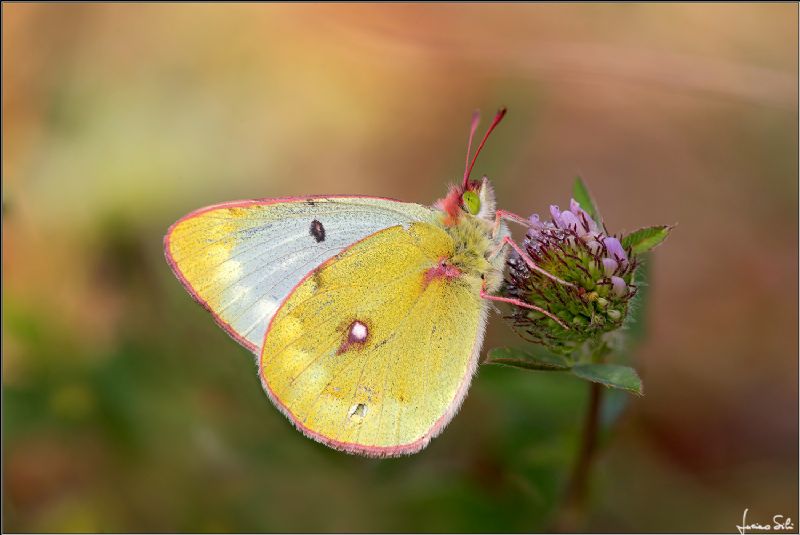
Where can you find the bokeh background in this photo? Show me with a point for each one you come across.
(126, 409)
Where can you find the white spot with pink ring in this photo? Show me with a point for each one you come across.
(358, 332)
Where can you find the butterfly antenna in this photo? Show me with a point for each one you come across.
(473, 127)
(495, 122)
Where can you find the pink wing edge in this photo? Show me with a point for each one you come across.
(379, 451)
(239, 204)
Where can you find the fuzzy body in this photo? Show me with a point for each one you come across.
(473, 249)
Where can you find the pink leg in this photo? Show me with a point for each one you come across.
(529, 261)
(522, 304)
(508, 216)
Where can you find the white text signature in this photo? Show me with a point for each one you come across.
(779, 523)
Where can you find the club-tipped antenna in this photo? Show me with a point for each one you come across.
(473, 127)
(475, 118)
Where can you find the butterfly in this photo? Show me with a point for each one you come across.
(366, 314)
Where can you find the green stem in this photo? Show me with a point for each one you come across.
(573, 510)
(577, 489)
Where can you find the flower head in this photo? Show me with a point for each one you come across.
(575, 248)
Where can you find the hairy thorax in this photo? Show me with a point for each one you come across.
(477, 253)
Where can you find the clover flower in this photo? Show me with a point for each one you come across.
(599, 270)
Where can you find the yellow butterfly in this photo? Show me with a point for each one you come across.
(367, 314)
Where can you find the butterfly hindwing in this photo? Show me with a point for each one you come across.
(370, 353)
(240, 260)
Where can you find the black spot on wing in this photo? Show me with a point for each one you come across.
(317, 230)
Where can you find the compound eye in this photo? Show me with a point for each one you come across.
(471, 202)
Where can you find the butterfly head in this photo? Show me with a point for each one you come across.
(475, 199)
(471, 198)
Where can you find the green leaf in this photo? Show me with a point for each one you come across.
(645, 239)
(611, 375)
(538, 359)
(637, 307)
(581, 194)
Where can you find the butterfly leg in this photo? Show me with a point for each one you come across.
(528, 260)
(508, 216)
(519, 303)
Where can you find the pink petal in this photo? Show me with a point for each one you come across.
(555, 212)
(568, 220)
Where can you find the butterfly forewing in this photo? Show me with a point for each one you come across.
(240, 260)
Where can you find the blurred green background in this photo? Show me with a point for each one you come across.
(126, 409)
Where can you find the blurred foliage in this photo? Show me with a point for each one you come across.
(581, 193)
(126, 409)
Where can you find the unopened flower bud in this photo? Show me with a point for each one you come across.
(615, 249)
(620, 290)
(609, 266)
